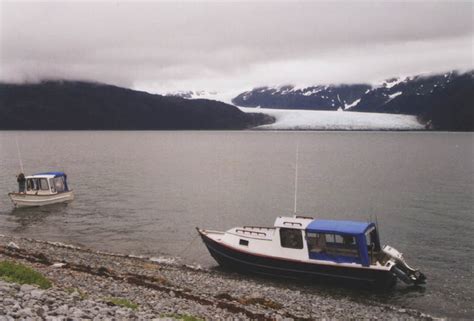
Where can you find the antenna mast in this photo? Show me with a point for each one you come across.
(296, 175)
(19, 154)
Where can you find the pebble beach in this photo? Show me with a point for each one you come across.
(88, 285)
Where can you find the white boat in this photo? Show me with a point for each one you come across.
(43, 189)
(302, 247)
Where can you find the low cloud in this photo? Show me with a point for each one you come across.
(161, 46)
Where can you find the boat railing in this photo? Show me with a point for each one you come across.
(250, 232)
(265, 228)
(305, 217)
(292, 224)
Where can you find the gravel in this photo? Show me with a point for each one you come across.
(86, 281)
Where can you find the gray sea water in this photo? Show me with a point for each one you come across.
(145, 192)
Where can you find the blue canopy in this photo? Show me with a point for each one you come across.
(56, 174)
(352, 228)
(339, 227)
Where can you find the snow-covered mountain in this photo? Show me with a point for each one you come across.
(193, 94)
(225, 97)
(329, 97)
(444, 101)
(385, 96)
(332, 97)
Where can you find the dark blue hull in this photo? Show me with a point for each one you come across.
(241, 261)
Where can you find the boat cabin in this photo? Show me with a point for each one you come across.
(342, 241)
(47, 183)
(330, 240)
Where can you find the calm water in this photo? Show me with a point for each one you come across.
(144, 192)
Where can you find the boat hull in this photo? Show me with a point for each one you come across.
(240, 261)
(30, 200)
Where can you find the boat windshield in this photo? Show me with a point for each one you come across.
(43, 184)
(51, 183)
(32, 184)
(36, 184)
(59, 184)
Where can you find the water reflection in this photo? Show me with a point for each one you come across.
(26, 217)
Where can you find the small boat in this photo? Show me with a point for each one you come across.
(43, 189)
(307, 248)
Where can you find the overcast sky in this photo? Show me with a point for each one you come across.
(232, 46)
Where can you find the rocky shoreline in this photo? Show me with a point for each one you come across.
(85, 281)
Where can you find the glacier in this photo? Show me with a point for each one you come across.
(294, 119)
(335, 120)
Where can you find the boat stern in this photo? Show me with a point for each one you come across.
(401, 268)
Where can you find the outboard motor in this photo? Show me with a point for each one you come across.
(402, 270)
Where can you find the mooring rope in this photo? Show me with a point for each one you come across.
(188, 246)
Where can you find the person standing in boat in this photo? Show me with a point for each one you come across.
(21, 182)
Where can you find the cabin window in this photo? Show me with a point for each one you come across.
(344, 245)
(316, 242)
(244, 242)
(291, 238)
(340, 240)
(59, 184)
(51, 183)
(31, 184)
(332, 244)
(43, 183)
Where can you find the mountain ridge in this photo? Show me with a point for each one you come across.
(80, 105)
(425, 96)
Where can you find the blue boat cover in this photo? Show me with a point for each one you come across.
(338, 227)
(56, 174)
(352, 228)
